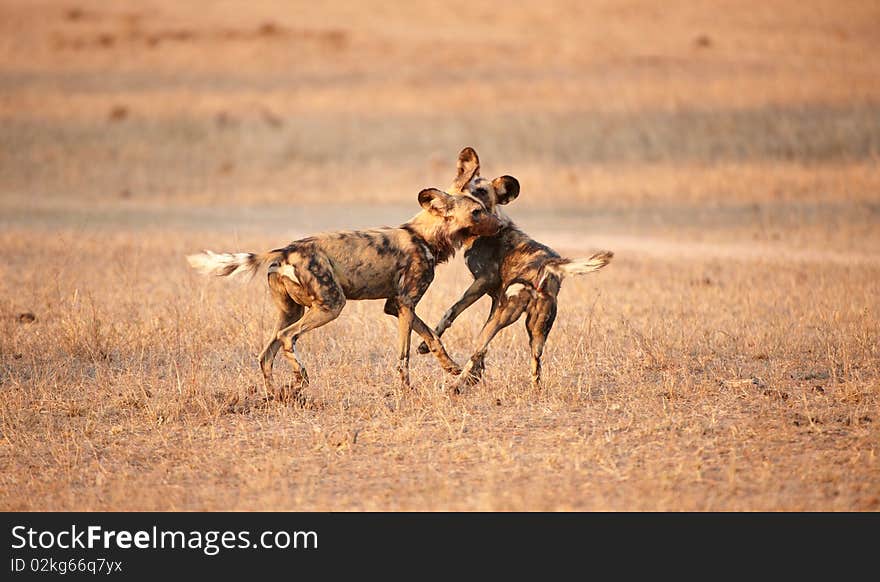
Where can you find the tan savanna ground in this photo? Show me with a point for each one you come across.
(727, 152)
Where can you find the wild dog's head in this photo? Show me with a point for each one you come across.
(449, 219)
(462, 216)
(491, 193)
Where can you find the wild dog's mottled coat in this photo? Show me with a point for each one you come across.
(520, 274)
(397, 264)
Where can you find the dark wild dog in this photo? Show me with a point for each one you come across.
(518, 273)
(397, 264)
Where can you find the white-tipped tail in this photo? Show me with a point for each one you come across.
(224, 264)
(581, 266)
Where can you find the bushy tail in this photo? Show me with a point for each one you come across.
(581, 266)
(228, 264)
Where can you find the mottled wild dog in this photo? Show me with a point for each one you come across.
(397, 264)
(520, 274)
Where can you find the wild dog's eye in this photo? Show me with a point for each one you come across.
(476, 213)
(481, 191)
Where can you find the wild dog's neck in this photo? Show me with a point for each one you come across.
(435, 232)
(502, 216)
(506, 225)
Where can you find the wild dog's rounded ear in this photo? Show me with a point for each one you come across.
(434, 201)
(507, 188)
(468, 167)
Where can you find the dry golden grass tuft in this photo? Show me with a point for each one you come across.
(726, 360)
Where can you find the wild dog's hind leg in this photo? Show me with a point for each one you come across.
(539, 322)
(317, 282)
(511, 306)
(315, 317)
(289, 312)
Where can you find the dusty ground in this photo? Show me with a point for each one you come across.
(728, 153)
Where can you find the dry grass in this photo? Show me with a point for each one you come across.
(726, 360)
(699, 384)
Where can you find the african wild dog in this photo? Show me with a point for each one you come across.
(322, 271)
(517, 272)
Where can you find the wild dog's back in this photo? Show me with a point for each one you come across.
(367, 263)
(515, 255)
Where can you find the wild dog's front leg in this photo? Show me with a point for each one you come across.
(477, 289)
(436, 346)
(512, 305)
(404, 330)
